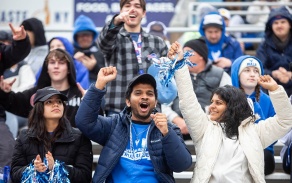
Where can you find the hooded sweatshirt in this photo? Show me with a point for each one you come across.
(84, 23)
(263, 108)
(272, 52)
(82, 74)
(20, 103)
(39, 48)
(227, 46)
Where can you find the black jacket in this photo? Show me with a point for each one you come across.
(10, 55)
(72, 148)
(14, 53)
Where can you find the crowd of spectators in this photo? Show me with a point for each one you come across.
(116, 55)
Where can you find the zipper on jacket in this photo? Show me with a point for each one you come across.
(118, 156)
(164, 177)
(217, 154)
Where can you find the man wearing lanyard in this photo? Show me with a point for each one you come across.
(126, 46)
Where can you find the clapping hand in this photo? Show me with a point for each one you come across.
(223, 62)
(267, 82)
(282, 75)
(51, 160)
(39, 165)
(105, 75)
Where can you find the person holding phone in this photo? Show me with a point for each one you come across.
(137, 143)
(85, 48)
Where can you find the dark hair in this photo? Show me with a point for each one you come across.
(237, 109)
(36, 123)
(45, 79)
(257, 92)
(142, 2)
(130, 89)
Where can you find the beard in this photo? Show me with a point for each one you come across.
(139, 116)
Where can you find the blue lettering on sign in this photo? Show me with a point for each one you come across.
(92, 7)
(12, 16)
(101, 11)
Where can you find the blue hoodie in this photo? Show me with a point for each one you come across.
(84, 23)
(264, 107)
(228, 46)
(82, 73)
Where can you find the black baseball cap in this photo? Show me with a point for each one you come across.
(45, 93)
(143, 78)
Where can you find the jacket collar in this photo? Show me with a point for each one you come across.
(248, 120)
(125, 33)
(244, 122)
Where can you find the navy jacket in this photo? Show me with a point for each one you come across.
(271, 56)
(168, 154)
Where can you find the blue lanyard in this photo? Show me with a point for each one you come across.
(138, 50)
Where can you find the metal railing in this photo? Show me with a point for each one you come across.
(193, 8)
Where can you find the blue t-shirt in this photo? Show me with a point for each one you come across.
(134, 36)
(135, 164)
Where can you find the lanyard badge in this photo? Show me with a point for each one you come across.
(138, 50)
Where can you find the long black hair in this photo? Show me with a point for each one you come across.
(236, 111)
(36, 123)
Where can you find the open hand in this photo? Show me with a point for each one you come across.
(39, 165)
(50, 159)
(285, 75)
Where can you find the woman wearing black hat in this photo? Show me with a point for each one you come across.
(50, 149)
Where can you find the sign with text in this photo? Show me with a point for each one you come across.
(54, 14)
(101, 11)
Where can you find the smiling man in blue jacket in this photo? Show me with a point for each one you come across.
(139, 145)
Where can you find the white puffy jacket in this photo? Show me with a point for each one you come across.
(207, 135)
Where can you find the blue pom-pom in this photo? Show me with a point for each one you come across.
(58, 175)
(167, 67)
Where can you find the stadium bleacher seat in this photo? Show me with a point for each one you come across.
(184, 177)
